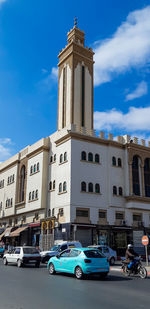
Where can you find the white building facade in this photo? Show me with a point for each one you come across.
(75, 185)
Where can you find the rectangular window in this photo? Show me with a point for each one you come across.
(102, 214)
(82, 213)
(83, 97)
(137, 217)
(119, 216)
(64, 97)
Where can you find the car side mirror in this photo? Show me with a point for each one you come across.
(58, 256)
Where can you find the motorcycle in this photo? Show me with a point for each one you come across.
(136, 269)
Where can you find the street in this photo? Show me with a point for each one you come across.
(31, 288)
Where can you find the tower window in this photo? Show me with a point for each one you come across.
(60, 187)
(65, 156)
(83, 97)
(61, 158)
(120, 191)
(64, 186)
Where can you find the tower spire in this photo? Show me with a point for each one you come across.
(75, 21)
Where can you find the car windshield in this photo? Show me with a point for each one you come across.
(94, 254)
(55, 248)
(30, 251)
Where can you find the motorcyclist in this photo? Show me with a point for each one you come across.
(130, 256)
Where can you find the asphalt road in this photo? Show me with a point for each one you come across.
(31, 288)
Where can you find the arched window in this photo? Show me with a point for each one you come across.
(83, 186)
(34, 168)
(135, 175)
(13, 177)
(147, 176)
(114, 190)
(61, 158)
(30, 196)
(11, 202)
(64, 186)
(119, 162)
(83, 155)
(38, 167)
(51, 159)
(54, 185)
(31, 169)
(97, 188)
(60, 187)
(90, 187)
(22, 184)
(49, 213)
(97, 158)
(50, 185)
(36, 194)
(90, 157)
(120, 191)
(113, 161)
(8, 180)
(53, 212)
(54, 157)
(65, 156)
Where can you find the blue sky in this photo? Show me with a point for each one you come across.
(31, 35)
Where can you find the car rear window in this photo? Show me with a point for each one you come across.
(30, 251)
(94, 254)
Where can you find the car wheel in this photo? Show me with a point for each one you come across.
(51, 269)
(37, 264)
(112, 261)
(5, 261)
(19, 263)
(78, 272)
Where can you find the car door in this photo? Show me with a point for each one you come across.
(15, 256)
(61, 261)
(106, 252)
(72, 260)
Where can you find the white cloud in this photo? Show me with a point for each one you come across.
(140, 90)
(5, 151)
(136, 119)
(54, 73)
(128, 48)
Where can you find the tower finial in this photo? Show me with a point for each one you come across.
(75, 21)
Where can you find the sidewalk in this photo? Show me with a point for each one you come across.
(118, 268)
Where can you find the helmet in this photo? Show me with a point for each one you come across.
(130, 246)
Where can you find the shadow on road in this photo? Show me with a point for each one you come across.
(96, 277)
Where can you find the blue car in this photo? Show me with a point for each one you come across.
(80, 262)
(2, 251)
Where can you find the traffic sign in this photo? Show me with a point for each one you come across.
(145, 240)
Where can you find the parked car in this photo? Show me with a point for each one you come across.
(22, 255)
(1, 251)
(79, 261)
(46, 255)
(107, 251)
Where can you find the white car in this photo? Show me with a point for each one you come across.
(22, 255)
(107, 251)
(46, 255)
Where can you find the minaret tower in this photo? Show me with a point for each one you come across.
(75, 83)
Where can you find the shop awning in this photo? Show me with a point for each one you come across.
(18, 231)
(1, 236)
(35, 224)
(6, 232)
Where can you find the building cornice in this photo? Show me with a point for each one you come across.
(87, 138)
(10, 165)
(138, 199)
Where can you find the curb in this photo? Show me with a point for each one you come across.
(121, 271)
